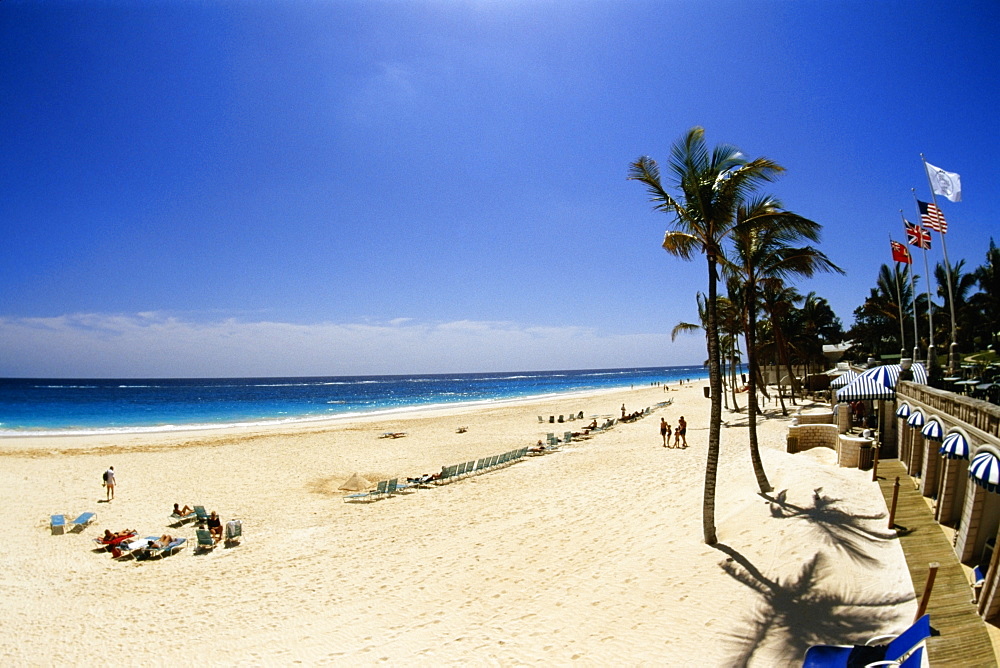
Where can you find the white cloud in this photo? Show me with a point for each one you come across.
(159, 345)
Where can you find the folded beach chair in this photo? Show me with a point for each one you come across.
(234, 532)
(898, 652)
(83, 520)
(58, 524)
(206, 541)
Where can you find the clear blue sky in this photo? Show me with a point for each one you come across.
(308, 188)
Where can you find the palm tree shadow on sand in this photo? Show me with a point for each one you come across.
(847, 532)
(798, 613)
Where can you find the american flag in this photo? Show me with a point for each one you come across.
(917, 236)
(932, 217)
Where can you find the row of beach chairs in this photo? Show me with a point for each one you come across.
(456, 471)
(387, 488)
(562, 418)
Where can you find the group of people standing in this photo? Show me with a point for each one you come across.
(679, 434)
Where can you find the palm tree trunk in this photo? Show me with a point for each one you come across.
(786, 359)
(758, 466)
(722, 374)
(715, 418)
(733, 369)
(777, 372)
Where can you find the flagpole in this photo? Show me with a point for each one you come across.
(931, 352)
(899, 303)
(953, 348)
(913, 302)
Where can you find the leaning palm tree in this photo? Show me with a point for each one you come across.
(764, 249)
(712, 184)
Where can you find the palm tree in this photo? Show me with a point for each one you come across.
(961, 284)
(986, 302)
(778, 301)
(729, 325)
(712, 186)
(764, 251)
(892, 285)
(819, 325)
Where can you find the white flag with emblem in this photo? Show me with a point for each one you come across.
(944, 183)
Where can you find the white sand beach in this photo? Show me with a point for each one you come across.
(592, 555)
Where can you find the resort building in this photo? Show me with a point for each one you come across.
(950, 446)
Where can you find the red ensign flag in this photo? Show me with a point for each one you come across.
(900, 253)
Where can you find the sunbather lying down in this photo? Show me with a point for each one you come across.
(162, 541)
(393, 434)
(114, 538)
(424, 479)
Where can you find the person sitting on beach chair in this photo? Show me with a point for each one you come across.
(215, 526)
(181, 512)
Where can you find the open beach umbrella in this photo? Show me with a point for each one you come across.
(843, 379)
(955, 446)
(878, 383)
(985, 471)
(356, 483)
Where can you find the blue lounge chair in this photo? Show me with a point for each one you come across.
(58, 524)
(898, 652)
(83, 520)
(131, 548)
(201, 513)
(370, 495)
(177, 519)
(153, 552)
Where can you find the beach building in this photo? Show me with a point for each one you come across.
(950, 446)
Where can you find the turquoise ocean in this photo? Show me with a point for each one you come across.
(64, 406)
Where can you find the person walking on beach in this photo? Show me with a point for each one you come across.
(664, 431)
(109, 482)
(681, 433)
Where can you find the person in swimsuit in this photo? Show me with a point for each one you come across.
(664, 427)
(681, 433)
(215, 526)
(109, 482)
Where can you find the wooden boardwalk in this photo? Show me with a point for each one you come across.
(963, 639)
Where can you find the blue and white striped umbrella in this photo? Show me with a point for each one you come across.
(878, 383)
(843, 379)
(933, 431)
(916, 419)
(955, 446)
(985, 471)
(903, 411)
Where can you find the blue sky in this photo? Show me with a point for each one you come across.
(311, 188)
